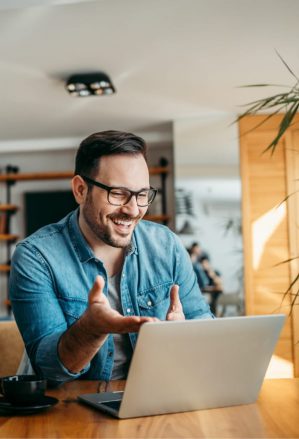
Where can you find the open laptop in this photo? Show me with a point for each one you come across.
(194, 364)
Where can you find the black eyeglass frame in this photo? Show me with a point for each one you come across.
(110, 188)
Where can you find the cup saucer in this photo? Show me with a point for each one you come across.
(44, 403)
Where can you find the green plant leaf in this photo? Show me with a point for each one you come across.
(286, 198)
(294, 301)
(286, 261)
(261, 123)
(285, 294)
(285, 123)
(263, 85)
(265, 101)
(289, 69)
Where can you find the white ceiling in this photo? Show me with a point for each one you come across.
(169, 60)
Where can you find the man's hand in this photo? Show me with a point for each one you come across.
(79, 344)
(105, 320)
(175, 310)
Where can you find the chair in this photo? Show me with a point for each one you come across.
(11, 348)
(234, 300)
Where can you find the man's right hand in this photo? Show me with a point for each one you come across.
(102, 319)
(89, 333)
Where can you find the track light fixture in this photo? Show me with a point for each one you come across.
(87, 84)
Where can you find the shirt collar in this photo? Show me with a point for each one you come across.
(80, 244)
(132, 248)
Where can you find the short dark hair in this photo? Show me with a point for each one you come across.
(106, 143)
(194, 244)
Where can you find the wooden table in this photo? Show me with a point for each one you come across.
(275, 415)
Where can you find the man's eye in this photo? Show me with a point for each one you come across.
(143, 194)
(118, 194)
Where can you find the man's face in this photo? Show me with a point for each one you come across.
(110, 224)
(197, 250)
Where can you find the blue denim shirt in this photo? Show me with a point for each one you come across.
(54, 269)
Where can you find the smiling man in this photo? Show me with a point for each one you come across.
(81, 288)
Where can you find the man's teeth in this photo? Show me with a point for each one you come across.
(122, 223)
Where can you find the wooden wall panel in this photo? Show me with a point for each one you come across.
(266, 225)
(292, 157)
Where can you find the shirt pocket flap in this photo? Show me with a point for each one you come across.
(153, 297)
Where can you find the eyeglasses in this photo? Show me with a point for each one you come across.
(119, 196)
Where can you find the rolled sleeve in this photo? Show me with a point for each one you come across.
(47, 359)
(38, 313)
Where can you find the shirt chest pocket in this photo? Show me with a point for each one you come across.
(154, 302)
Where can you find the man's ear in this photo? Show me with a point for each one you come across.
(79, 188)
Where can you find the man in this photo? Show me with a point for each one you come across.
(81, 288)
(214, 285)
(194, 252)
(197, 251)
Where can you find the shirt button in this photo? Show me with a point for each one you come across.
(110, 354)
(149, 303)
(128, 310)
(124, 275)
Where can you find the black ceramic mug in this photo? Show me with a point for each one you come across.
(23, 389)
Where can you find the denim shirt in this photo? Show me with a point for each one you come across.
(54, 269)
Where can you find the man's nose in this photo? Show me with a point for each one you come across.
(131, 207)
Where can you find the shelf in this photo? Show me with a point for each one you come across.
(36, 176)
(157, 218)
(4, 268)
(153, 170)
(8, 208)
(8, 237)
(157, 170)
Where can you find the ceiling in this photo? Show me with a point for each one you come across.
(169, 60)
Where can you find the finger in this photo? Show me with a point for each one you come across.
(175, 302)
(149, 319)
(97, 290)
(133, 323)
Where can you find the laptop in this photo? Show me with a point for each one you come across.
(194, 364)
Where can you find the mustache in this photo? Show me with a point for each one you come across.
(124, 217)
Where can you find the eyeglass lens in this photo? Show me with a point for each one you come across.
(120, 197)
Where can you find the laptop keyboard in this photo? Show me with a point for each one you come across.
(112, 404)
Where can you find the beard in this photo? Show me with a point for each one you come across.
(105, 233)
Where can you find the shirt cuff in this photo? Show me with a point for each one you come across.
(48, 363)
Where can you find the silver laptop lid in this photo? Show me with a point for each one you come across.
(199, 364)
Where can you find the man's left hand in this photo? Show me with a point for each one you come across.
(175, 310)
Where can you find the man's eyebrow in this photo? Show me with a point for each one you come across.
(124, 187)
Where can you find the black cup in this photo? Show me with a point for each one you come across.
(23, 389)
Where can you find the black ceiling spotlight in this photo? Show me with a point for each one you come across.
(87, 84)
